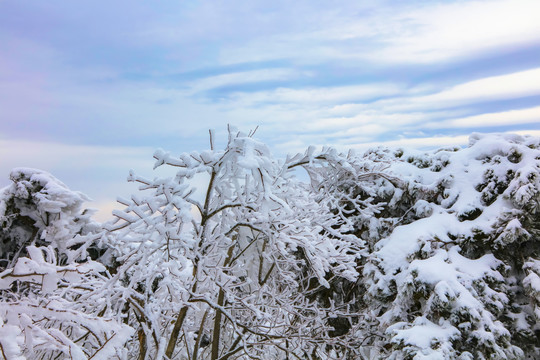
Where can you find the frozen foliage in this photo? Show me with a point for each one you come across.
(231, 276)
(38, 209)
(57, 314)
(389, 254)
(47, 307)
(452, 270)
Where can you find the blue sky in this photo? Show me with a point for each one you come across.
(88, 89)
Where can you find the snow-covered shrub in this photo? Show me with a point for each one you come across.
(453, 240)
(39, 210)
(231, 276)
(48, 307)
(61, 317)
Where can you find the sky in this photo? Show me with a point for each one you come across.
(90, 89)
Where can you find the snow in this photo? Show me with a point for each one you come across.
(114, 345)
(52, 188)
(424, 335)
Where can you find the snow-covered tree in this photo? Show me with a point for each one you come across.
(453, 240)
(230, 276)
(39, 210)
(59, 315)
(47, 307)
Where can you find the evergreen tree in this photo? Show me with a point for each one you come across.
(39, 210)
(453, 249)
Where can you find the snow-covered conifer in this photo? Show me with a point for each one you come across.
(453, 246)
(39, 210)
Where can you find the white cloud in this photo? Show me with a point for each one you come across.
(505, 118)
(503, 87)
(112, 85)
(339, 114)
(371, 116)
(431, 142)
(104, 209)
(245, 77)
(411, 32)
(98, 171)
(535, 133)
(420, 142)
(318, 96)
(508, 86)
(438, 32)
(76, 157)
(316, 109)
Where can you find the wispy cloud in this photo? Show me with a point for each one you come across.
(346, 112)
(425, 32)
(319, 96)
(504, 118)
(430, 142)
(420, 142)
(246, 77)
(507, 86)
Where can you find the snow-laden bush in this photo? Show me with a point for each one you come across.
(47, 303)
(39, 210)
(231, 276)
(60, 316)
(453, 240)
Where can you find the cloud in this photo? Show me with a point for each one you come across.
(98, 171)
(527, 132)
(245, 77)
(346, 115)
(104, 209)
(394, 33)
(345, 112)
(374, 115)
(322, 95)
(508, 86)
(421, 142)
(443, 31)
(309, 72)
(504, 118)
(430, 142)
(494, 88)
